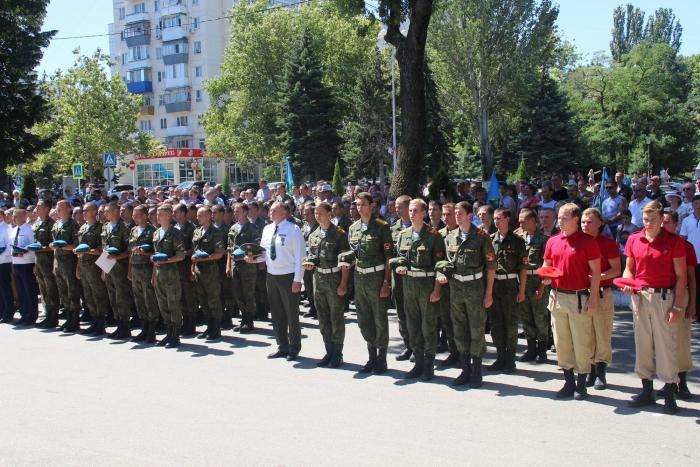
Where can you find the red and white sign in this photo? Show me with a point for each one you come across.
(132, 164)
(175, 152)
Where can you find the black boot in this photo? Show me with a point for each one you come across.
(215, 332)
(466, 374)
(226, 322)
(509, 361)
(476, 379)
(600, 381)
(417, 369)
(188, 327)
(452, 359)
(206, 332)
(42, 323)
(51, 320)
(670, 406)
(380, 366)
(406, 354)
(69, 317)
(167, 337)
(581, 384)
(569, 385)
(500, 363)
(683, 391)
(144, 332)
(541, 352)
(73, 323)
(86, 317)
(590, 380)
(531, 352)
(369, 366)
(329, 354)
(247, 323)
(123, 331)
(644, 398)
(337, 358)
(174, 341)
(151, 336)
(428, 367)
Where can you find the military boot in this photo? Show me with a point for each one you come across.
(174, 341)
(644, 398)
(42, 323)
(188, 326)
(215, 332)
(247, 323)
(417, 369)
(226, 322)
(86, 317)
(509, 361)
(476, 379)
(569, 385)
(590, 380)
(327, 357)
(337, 358)
(670, 406)
(123, 331)
(167, 337)
(465, 376)
(581, 384)
(452, 359)
(67, 316)
(73, 323)
(369, 366)
(541, 352)
(406, 354)
(500, 363)
(683, 391)
(151, 336)
(428, 367)
(600, 381)
(380, 366)
(144, 332)
(531, 352)
(206, 332)
(51, 320)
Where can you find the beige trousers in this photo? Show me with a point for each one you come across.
(573, 332)
(656, 341)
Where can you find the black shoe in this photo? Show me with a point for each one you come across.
(143, 334)
(600, 380)
(428, 367)
(369, 366)
(327, 357)
(644, 398)
(417, 369)
(164, 341)
(174, 341)
(683, 391)
(466, 375)
(151, 337)
(531, 352)
(215, 332)
(500, 363)
(188, 327)
(311, 314)
(590, 379)
(73, 323)
(581, 384)
(670, 406)
(292, 356)
(476, 379)
(206, 332)
(278, 354)
(123, 331)
(405, 355)
(337, 358)
(86, 317)
(541, 352)
(569, 385)
(380, 366)
(226, 322)
(451, 360)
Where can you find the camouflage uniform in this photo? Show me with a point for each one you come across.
(142, 274)
(44, 268)
(118, 287)
(397, 286)
(445, 321)
(167, 283)
(64, 265)
(90, 274)
(243, 274)
(307, 229)
(188, 297)
(207, 277)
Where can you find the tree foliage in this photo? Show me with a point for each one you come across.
(630, 30)
(337, 179)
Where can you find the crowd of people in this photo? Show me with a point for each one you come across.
(454, 268)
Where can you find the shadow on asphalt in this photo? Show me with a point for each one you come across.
(202, 350)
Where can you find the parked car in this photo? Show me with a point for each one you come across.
(119, 188)
(187, 185)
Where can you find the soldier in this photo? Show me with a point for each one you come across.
(403, 222)
(309, 226)
(65, 263)
(243, 274)
(44, 265)
(534, 314)
(168, 241)
(370, 239)
(445, 321)
(188, 298)
(115, 240)
(262, 306)
(140, 274)
(89, 274)
(340, 218)
(208, 239)
(470, 251)
(330, 283)
(508, 291)
(227, 300)
(422, 247)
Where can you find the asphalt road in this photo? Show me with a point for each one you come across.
(72, 400)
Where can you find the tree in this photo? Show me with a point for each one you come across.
(437, 147)
(309, 114)
(630, 30)
(337, 179)
(23, 105)
(91, 114)
(486, 55)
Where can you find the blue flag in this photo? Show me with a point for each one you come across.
(604, 179)
(290, 177)
(494, 195)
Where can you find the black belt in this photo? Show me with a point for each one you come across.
(578, 293)
(662, 290)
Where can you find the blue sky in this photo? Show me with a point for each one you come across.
(585, 23)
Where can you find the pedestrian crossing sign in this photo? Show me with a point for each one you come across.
(110, 160)
(78, 171)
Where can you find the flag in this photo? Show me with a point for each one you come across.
(290, 177)
(603, 194)
(494, 194)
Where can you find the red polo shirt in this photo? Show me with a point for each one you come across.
(608, 251)
(653, 260)
(571, 255)
(690, 259)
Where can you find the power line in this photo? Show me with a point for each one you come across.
(265, 10)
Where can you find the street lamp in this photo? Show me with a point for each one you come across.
(381, 43)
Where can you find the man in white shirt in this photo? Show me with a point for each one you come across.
(284, 248)
(263, 193)
(23, 268)
(690, 230)
(637, 204)
(7, 304)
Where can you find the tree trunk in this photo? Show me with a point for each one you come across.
(484, 146)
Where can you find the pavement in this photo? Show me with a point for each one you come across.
(71, 400)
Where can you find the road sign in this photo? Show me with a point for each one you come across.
(132, 164)
(78, 171)
(110, 160)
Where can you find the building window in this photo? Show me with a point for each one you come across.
(163, 123)
(198, 95)
(198, 47)
(154, 174)
(195, 23)
(156, 5)
(139, 52)
(140, 8)
(198, 71)
(195, 2)
(201, 144)
(159, 53)
(199, 123)
(159, 76)
(176, 48)
(121, 13)
(123, 59)
(145, 125)
(138, 76)
(181, 121)
(176, 71)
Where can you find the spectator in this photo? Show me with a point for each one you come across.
(637, 204)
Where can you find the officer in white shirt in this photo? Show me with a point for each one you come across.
(7, 304)
(23, 267)
(284, 247)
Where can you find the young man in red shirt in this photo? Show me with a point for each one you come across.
(656, 259)
(573, 298)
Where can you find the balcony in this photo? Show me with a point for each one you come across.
(138, 33)
(175, 52)
(140, 87)
(178, 131)
(179, 82)
(147, 110)
(137, 17)
(138, 64)
(177, 100)
(173, 33)
(173, 7)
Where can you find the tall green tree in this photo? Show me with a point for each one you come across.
(438, 130)
(309, 128)
(486, 55)
(23, 105)
(629, 29)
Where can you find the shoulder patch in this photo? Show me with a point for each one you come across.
(380, 221)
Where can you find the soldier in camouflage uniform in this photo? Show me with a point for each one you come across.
(403, 222)
(370, 239)
(169, 241)
(44, 265)
(188, 298)
(242, 274)
(262, 305)
(205, 271)
(445, 322)
(534, 313)
(115, 234)
(141, 273)
(90, 275)
(65, 263)
(470, 252)
(422, 247)
(508, 291)
(228, 301)
(308, 227)
(330, 283)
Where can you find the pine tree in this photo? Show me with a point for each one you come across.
(309, 122)
(337, 179)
